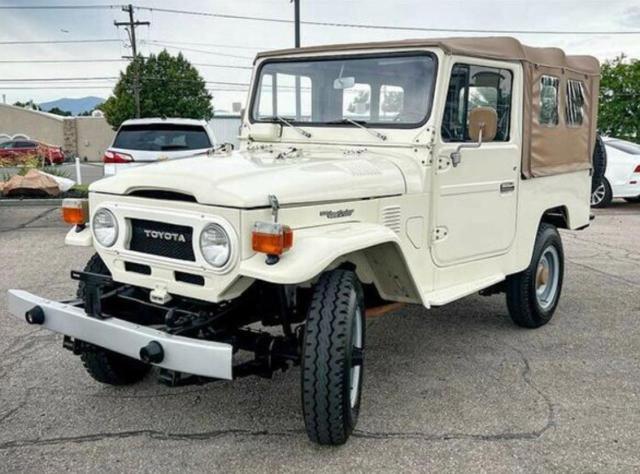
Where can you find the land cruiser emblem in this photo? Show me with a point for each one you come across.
(156, 234)
(336, 214)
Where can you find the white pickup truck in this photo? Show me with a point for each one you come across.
(412, 172)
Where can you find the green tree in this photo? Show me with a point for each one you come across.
(59, 111)
(29, 104)
(619, 109)
(169, 86)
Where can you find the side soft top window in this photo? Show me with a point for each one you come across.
(549, 111)
(574, 109)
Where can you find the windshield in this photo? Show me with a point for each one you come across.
(385, 91)
(162, 137)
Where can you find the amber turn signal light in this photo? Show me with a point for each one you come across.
(75, 211)
(271, 238)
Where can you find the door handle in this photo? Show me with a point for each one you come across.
(507, 187)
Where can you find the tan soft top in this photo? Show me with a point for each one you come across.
(547, 150)
(493, 47)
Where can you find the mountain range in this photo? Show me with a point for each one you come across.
(75, 106)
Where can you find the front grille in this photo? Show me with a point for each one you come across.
(160, 238)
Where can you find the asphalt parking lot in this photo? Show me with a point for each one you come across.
(457, 388)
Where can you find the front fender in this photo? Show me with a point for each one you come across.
(314, 249)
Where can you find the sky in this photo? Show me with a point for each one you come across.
(234, 42)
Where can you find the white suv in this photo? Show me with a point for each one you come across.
(140, 141)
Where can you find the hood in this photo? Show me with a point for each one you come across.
(245, 179)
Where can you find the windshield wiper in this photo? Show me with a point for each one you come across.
(301, 131)
(360, 124)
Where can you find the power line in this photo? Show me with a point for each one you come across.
(105, 60)
(105, 40)
(229, 66)
(51, 79)
(215, 45)
(114, 60)
(55, 61)
(385, 27)
(60, 7)
(204, 51)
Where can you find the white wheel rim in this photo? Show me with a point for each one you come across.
(354, 375)
(598, 195)
(547, 277)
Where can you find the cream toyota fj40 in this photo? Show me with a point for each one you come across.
(368, 175)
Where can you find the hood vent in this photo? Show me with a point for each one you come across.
(391, 217)
(164, 195)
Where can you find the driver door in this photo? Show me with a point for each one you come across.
(475, 201)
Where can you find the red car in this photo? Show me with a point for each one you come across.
(15, 149)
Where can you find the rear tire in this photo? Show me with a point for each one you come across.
(104, 365)
(533, 294)
(332, 358)
(599, 163)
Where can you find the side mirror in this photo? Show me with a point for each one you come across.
(344, 83)
(483, 120)
(483, 126)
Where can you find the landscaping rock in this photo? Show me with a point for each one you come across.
(33, 184)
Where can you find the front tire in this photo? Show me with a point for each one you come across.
(533, 294)
(112, 368)
(101, 364)
(332, 358)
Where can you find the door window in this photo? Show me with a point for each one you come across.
(476, 86)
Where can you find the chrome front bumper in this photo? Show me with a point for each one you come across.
(182, 354)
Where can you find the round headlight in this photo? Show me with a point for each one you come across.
(215, 246)
(105, 227)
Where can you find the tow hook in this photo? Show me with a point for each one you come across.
(152, 353)
(35, 315)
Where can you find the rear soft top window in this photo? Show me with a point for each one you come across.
(162, 137)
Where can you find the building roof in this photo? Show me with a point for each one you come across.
(492, 47)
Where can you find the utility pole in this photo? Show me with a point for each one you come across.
(130, 27)
(296, 9)
(296, 14)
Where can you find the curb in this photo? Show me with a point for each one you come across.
(30, 202)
